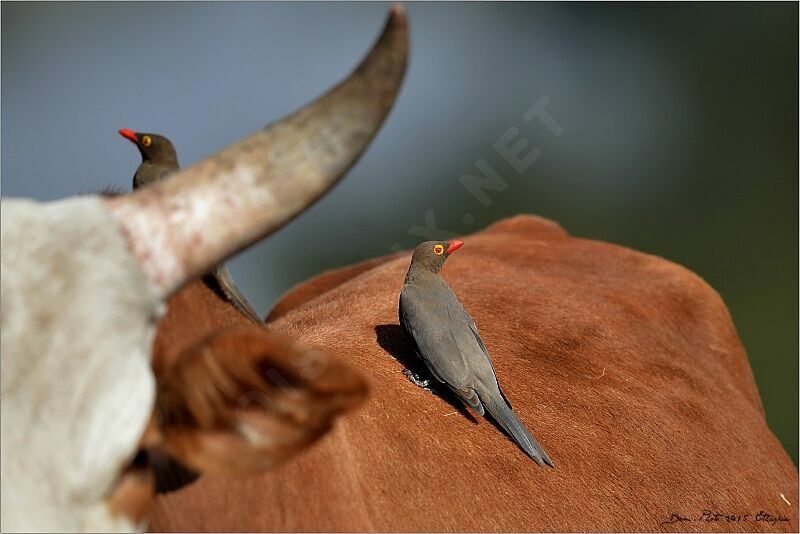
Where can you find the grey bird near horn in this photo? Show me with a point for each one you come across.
(447, 340)
(159, 161)
(182, 227)
(159, 158)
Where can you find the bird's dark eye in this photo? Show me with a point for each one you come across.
(438, 250)
(147, 140)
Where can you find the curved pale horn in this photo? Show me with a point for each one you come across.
(182, 227)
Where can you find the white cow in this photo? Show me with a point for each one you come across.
(84, 282)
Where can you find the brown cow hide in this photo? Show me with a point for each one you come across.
(626, 366)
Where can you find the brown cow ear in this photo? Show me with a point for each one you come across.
(247, 399)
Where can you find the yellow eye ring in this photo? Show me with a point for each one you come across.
(438, 250)
(147, 140)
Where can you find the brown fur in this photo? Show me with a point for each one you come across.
(627, 367)
(232, 398)
(133, 495)
(322, 283)
(282, 395)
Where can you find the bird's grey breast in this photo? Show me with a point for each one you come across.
(148, 173)
(444, 332)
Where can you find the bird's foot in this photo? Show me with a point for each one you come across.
(417, 380)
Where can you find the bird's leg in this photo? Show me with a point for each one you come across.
(417, 380)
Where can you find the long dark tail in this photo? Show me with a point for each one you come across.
(503, 414)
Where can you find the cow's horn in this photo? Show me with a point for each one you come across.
(183, 226)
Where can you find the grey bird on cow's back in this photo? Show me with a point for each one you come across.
(447, 340)
(159, 160)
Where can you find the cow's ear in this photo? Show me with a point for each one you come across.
(247, 399)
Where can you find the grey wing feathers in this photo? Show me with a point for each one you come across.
(436, 345)
(455, 353)
(474, 328)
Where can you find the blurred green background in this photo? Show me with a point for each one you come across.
(680, 130)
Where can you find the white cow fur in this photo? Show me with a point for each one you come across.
(78, 319)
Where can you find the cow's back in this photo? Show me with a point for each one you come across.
(626, 367)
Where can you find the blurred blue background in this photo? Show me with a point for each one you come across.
(679, 122)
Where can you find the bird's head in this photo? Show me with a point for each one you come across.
(432, 254)
(153, 147)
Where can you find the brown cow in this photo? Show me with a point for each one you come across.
(629, 365)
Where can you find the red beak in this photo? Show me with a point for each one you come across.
(129, 134)
(454, 245)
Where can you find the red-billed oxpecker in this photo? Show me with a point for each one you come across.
(158, 156)
(447, 340)
(159, 160)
